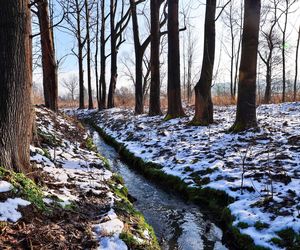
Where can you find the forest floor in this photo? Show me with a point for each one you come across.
(259, 168)
(72, 201)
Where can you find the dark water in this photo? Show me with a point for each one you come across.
(178, 225)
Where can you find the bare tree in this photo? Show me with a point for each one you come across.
(296, 65)
(71, 85)
(174, 92)
(286, 11)
(76, 27)
(16, 85)
(88, 58)
(271, 42)
(203, 102)
(49, 64)
(116, 39)
(246, 103)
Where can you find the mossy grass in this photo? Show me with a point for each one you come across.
(125, 207)
(215, 201)
(25, 187)
(48, 138)
(288, 239)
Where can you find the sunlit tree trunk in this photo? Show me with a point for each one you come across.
(246, 103)
(15, 84)
(174, 92)
(154, 104)
(49, 65)
(203, 102)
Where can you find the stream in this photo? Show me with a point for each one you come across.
(177, 224)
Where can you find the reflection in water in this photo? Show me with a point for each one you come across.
(178, 225)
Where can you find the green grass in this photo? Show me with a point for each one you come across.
(25, 187)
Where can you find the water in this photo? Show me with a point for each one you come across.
(177, 225)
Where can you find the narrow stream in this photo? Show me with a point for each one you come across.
(177, 225)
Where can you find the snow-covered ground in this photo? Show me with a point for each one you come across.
(260, 169)
(75, 175)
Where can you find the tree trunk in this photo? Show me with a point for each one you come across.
(88, 42)
(80, 58)
(246, 103)
(139, 98)
(283, 52)
(96, 57)
(296, 66)
(203, 103)
(174, 93)
(267, 97)
(154, 103)
(49, 65)
(113, 61)
(103, 59)
(15, 84)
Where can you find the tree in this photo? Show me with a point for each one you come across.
(287, 7)
(71, 85)
(154, 103)
(174, 92)
(15, 84)
(233, 19)
(203, 102)
(246, 103)
(116, 39)
(49, 65)
(296, 65)
(103, 57)
(74, 19)
(269, 45)
(88, 58)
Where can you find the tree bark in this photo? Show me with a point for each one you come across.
(80, 45)
(203, 102)
(88, 43)
(15, 83)
(154, 104)
(49, 65)
(102, 84)
(246, 103)
(296, 66)
(139, 97)
(113, 61)
(174, 92)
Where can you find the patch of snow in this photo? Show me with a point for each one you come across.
(5, 186)
(8, 209)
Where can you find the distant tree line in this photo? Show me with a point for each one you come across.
(86, 20)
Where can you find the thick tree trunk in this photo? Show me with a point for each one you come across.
(96, 57)
(88, 42)
(102, 84)
(49, 65)
(80, 58)
(203, 102)
(154, 105)
(113, 61)
(139, 97)
(246, 103)
(15, 83)
(174, 93)
(296, 66)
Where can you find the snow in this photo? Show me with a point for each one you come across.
(112, 243)
(269, 158)
(8, 209)
(5, 186)
(71, 165)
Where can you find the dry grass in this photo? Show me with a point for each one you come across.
(128, 101)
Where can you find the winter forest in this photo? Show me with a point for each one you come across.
(150, 124)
